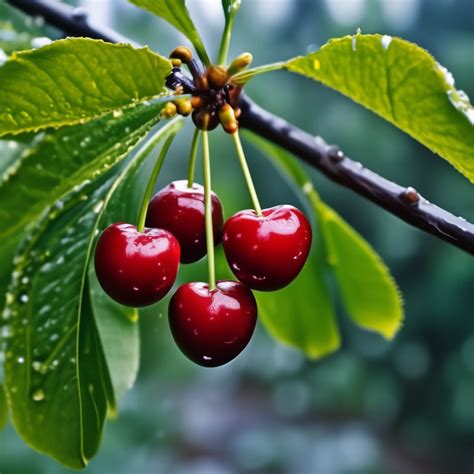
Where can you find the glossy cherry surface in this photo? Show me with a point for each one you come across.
(180, 210)
(136, 268)
(212, 327)
(267, 252)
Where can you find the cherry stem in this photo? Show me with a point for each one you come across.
(246, 171)
(208, 211)
(225, 41)
(151, 182)
(192, 157)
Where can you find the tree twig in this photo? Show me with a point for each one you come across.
(404, 202)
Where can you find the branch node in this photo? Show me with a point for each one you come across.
(410, 195)
(335, 153)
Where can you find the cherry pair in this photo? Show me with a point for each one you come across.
(265, 252)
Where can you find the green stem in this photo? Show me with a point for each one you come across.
(246, 171)
(151, 182)
(208, 211)
(192, 157)
(245, 76)
(225, 41)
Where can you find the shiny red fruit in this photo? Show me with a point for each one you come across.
(212, 327)
(180, 210)
(267, 252)
(136, 268)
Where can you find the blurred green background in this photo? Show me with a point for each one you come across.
(373, 407)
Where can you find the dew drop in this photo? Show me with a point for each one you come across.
(3, 57)
(38, 395)
(386, 41)
(98, 207)
(24, 298)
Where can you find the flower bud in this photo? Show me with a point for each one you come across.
(240, 63)
(227, 119)
(182, 53)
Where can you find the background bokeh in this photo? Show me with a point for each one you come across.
(374, 406)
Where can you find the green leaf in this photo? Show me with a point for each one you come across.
(402, 83)
(55, 374)
(67, 158)
(302, 314)
(53, 359)
(75, 80)
(176, 13)
(3, 408)
(368, 290)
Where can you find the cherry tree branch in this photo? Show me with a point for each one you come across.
(404, 202)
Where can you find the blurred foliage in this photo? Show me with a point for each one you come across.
(375, 406)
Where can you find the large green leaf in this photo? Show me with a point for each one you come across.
(53, 363)
(399, 81)
(57, 380)
(3, 408)
(176, 13)
(75, 80)
(369, 292)
(402, 83)
(69, 157)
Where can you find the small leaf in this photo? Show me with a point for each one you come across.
(369, 292)
(302, 314)
(402, 83)
(67, 158)
(176, 13)
(3, 408)
(55, 376)
(75, 80)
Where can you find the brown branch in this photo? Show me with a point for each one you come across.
(403, 202)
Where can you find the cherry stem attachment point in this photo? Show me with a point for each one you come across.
(208, 210)
(151, 182)
(192, 157)
(246, 171)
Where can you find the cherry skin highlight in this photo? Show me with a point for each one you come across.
(180, 210)
(212, 327)
(267, 252)
(136, 268)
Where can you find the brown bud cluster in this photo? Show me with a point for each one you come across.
(214, 97)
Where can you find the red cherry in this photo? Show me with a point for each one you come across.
(212, 327)
(267, 252)
(136, 268)
(180, 210)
